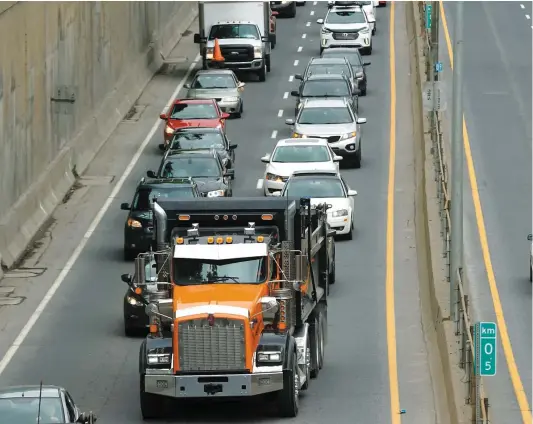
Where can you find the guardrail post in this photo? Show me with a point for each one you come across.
(469, 372)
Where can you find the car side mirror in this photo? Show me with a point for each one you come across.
(352, 193)
(230, 173)
(331, 233)
(295, 93)
(187, 85)
(163, 116)
(150, 174)
(530, 237)
(320, 21)
(241, 84)
(225, 115)
(289, 121)
(361, 120)
(125, 206)
(276, 194)
(367, 63)
(233, 146)
(265, 159)
(298, 77)
(337, 158)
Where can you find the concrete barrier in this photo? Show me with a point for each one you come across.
(69, 73)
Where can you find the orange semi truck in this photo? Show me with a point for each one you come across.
(248, 280)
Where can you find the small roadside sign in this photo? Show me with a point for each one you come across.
(429, 8)
(438, 67)
(485, 344)
(434, 96)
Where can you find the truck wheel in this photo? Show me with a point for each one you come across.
(262, 73)
(268, 62)
(314, 330)
(331, 275)
(289, 397)
(273, 42)
(151, 406)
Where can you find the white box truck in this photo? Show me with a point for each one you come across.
(243, 32)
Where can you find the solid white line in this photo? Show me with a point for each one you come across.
(274, 134)
(528, 17)
(259, 184)
(522, 6)
(92, 228)
(296, 62)
(280, 113)
(291, 78)
(308, 24)
(304, 35)
(286, 95)
(312, 12)
(299, 49)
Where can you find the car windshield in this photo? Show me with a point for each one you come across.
(194, 111)
(224, 31)
(325, 115)
(353, 58)
(329, 68)
(24, 410)
(191, 167)
(314, 188)
(326, 88)
(346, 17)
(143, 200)
(191, 140)
(233, 271)
(214, 81)
(301, 154)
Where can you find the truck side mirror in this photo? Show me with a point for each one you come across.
(126, 278)
(197, 39)
(530, 237)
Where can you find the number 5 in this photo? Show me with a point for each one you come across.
(488, 366)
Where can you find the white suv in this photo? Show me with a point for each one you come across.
(346, 27)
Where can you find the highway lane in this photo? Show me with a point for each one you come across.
(78, 341)
(497, 107)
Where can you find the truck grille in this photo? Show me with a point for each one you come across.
(345, 35)
(211, 348)
(237, 53)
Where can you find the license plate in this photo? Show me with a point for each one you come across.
(162, 384)
(264, 381)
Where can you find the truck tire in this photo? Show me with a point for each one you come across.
(273, 42)
(268, 62)
(323, 319)
(331, 275)
(314, 341)
(262, 73)
(289, 397)
(152, 406)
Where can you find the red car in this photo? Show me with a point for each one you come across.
(193, 113)
(382, 3)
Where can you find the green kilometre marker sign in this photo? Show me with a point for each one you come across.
(485, 343)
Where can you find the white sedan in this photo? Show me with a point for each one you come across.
(289, 155)
(326, 187)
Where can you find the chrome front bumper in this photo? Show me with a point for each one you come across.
(204, 386)
(254, 65)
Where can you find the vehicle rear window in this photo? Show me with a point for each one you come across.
(301, 154)
(143, 200)
(325, 115)
(331, 88)
(188, 141)
(214, 81)
(191, 167)
(315, 188)
(24, 410)
(353, 58)
(194, 111)
(329, 68)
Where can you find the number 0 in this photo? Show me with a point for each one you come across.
(488, 349)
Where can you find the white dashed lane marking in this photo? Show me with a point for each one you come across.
(286, 95)
(296, 62)
(304, 35)
(291, 78)
(312, 12)
(274, 134)
(300, 49)
(280, 113)
(528, 17)
(522, 6)
(308, 24)
(259, 184)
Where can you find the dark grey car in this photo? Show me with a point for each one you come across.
(356, 60)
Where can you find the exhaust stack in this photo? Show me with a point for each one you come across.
(160, 221)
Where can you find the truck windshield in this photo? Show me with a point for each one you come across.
(225, 31)
(188, 272)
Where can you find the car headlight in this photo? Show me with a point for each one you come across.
(269, 357)
(274, 177)
(169, 129)
(258, 52)
(298, 135)
(133, 223)
(325, 31)
(339, 213)
(158, 358)
(348, 135)
(216, 193)
(231, 99)
(132, 301)
(209, 53)
(364, 31)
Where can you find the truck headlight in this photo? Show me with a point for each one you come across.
(209, 53)
(158, 358)
(132, 301)
(258, 52)
(339, 213)
(216, 193)
(269, 357)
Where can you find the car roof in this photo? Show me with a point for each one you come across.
(327, 60)
(302, 141)
(316, 173)
(194, 101)
(30, 391)
(166, 182)
(214, 72)
(327, 77)
(326, 102)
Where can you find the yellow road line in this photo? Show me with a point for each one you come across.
(518, 387)
(389, 275)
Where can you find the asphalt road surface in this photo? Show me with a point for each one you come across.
(372, 364)
(497, 107)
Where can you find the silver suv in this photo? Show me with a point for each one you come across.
(334, 120)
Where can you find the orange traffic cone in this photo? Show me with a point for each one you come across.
(218, 59)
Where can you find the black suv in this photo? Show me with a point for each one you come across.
(206, 167)
(203, 138)
(355, 59)
(326, 86)
(139, 226)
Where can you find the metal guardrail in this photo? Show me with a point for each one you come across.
(464, 330)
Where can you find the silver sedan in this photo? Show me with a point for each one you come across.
(221, 85)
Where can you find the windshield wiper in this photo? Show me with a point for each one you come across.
(223, 278)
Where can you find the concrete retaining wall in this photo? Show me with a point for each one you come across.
(69, 72)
